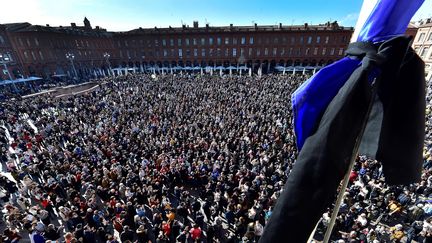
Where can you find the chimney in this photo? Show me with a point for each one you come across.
(195, 24)
(335, 25)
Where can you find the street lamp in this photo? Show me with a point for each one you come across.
(70, 56)
(106, 55)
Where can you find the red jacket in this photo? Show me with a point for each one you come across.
(195, 233)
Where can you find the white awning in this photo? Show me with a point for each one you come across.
(20, 80)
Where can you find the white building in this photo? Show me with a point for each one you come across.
(422, 44)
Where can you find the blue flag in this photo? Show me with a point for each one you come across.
(388, 18)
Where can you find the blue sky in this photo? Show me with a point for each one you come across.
(130, 14)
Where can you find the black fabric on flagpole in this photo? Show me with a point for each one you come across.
(401, 137)
(325, 156)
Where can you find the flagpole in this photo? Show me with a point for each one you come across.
(365, 11)
(354, 154)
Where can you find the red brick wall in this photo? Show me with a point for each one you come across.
(41, 50)
(7, 49)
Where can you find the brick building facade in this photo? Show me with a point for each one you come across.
(41, 50)
(232, 45)
(8, 61)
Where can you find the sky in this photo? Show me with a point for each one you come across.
(123, 15)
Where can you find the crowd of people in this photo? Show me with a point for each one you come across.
(178, 158)
(18, 89)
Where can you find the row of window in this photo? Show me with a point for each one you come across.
(233, 41)
(233, 52)
(187, 42)
(423, 53)
(57, 54)
(218, 52)
(63, 43)
(28, 42)
(33, 55)
(422, 36)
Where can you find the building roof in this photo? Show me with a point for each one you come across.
(74, 30)
(257, 28)
(424, 23)
(84, 30)
(412, 25)
(16, 26)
